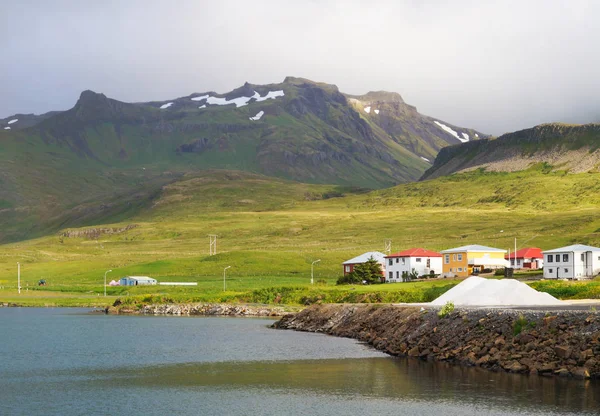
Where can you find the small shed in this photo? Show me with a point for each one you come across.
(136, 281)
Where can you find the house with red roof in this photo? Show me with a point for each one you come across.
(526, 258)
(418, 260)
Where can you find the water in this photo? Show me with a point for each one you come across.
(70, 362)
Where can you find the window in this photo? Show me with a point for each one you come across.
(550, 271)
(397, 275)
(451, 269)
(391, 262)
(418, 260)
(518, 262)
(583, 257)
(460, 257)
(347, 269)
(549, 259)
(512, 262)
(447, 259)
(391, 274)
(397, 260)
(403, 260)
(454, 257)
(566, 270)
(460, 269)
(565, 258)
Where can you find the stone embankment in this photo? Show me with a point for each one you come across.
(557, 343)
(210, 309)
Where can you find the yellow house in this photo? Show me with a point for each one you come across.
(467, 260)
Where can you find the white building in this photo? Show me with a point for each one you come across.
(572, 262)
(416, 260)
(136, 280)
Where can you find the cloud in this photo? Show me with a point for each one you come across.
(494, 66)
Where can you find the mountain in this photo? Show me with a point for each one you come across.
(555, 146)
(103, 158)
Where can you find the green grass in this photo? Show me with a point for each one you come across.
(271, 230)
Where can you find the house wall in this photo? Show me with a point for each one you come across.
(480, 257)
(397, 265)
(526, 263)
(570, 265)
(455, 264)
(349, 268)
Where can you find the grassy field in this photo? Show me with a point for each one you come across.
(271, 230)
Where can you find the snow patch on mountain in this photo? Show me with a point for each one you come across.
(200, 98)
(425, 159)
(167, 105)
(257, 116)
(376, 111)
(450, 131)
(466, 136)
(239, 101)
(13, 121)
(368, 109)
(6, 128)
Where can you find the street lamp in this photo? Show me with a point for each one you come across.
(312, 271)
(224, 277)
(108, 271)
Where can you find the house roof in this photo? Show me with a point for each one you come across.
(138, 278)
(574, 247)
(473, 247)
(366, 256)
(415, 252)
(527, 253)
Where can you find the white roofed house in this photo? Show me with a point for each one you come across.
(363, 258)
(572, 262)
(136, 281)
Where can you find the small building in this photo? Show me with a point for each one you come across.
(472, 259)
(418, 260)
(572, 262)
(136, 281)
(363, 258)
(526, 258)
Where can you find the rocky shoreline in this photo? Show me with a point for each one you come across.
(557, 343)
(197, 309)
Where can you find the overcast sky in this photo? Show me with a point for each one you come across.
(496, 66)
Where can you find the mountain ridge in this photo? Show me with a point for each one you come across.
(558, 146)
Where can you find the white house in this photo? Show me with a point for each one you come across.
(418, 260)
(349, 264)
(137, 280)
(572, 262)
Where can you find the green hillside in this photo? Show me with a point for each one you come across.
(271, 230)
(104, 160)
(564, 147)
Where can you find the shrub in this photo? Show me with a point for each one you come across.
(446, 309)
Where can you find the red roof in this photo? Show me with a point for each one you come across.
(415, 252)
(526, 253)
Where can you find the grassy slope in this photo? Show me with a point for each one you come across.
(271, 230)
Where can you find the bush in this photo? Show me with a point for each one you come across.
(446, 309)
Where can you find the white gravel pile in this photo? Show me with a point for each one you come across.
(477, 291)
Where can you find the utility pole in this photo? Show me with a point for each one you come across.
(212, 250)
(515, 252)
(312, 271)
(387, 246)
(19, 277)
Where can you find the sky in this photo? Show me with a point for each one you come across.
(496, 66)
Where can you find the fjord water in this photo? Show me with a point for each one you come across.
(71, 362)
